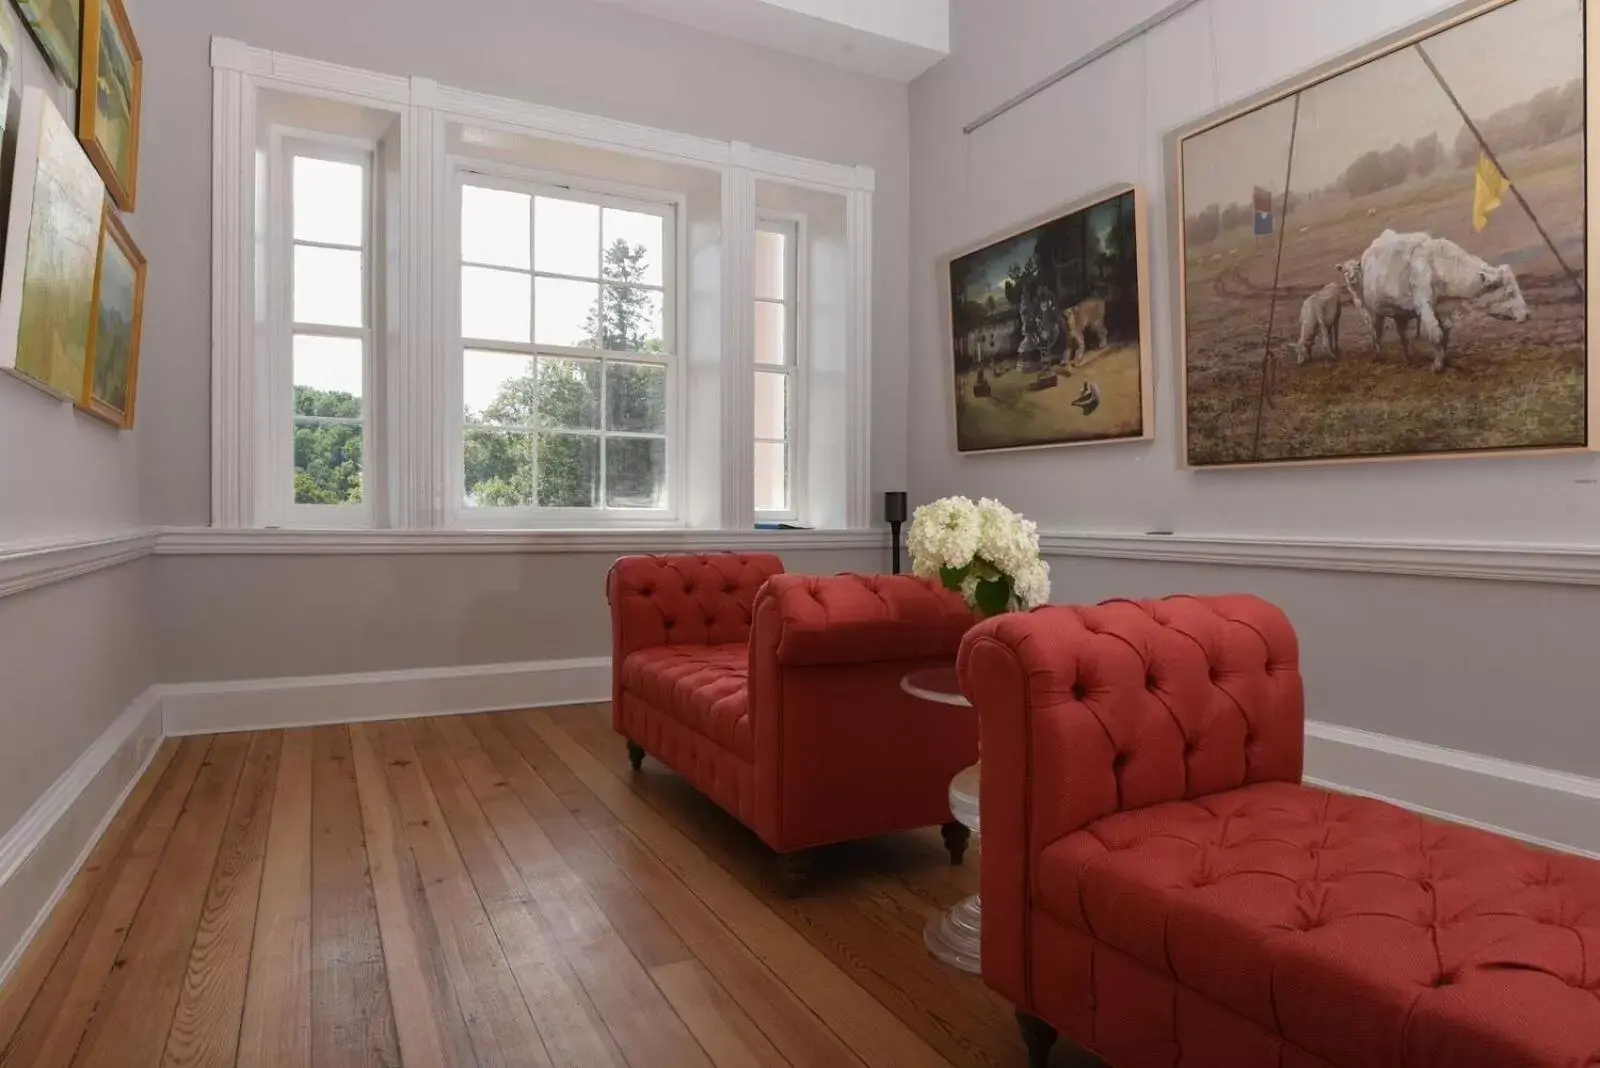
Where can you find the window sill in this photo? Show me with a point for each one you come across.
(210, 541)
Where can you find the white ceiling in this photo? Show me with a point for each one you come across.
(894, 39)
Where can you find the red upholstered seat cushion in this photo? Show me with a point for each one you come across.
(703, 687)
(1357, 931)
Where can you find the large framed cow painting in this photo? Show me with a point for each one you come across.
(1388, 257)
(1049, 329)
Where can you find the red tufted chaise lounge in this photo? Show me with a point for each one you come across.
(778, 696)
(1159, 886)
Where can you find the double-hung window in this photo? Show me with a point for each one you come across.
(568, 352)
(777, 368)
(320, 395)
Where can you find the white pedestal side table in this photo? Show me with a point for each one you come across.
(954, 937)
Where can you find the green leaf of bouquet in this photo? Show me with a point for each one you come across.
(953, 577)
(993, 596)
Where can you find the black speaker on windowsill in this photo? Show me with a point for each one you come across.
(894, 512)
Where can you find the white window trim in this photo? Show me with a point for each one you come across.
(671, 207)
(275, 480)
(414, 444)
(797, 308)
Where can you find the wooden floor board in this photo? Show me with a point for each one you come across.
(494, 889)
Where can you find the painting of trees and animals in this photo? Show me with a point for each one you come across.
(1049, 332)
(1390, 261)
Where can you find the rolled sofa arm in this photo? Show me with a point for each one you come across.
(852, 619)
(1086, 711)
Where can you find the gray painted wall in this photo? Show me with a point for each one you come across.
(72, 656)
(245, 617)
(1494, 668)
(587, 57)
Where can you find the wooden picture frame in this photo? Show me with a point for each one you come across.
(106, 101)
(94, 400)
(1198, 274)
(1055, 357)
(57, 27)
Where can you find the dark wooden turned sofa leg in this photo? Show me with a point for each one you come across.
(956, 837)
(1038, 1036)
(636, 755)
(794, 872)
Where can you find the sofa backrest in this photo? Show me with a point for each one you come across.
(1133, 703)
(684, 599)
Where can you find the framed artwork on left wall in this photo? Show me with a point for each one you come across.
(111, 377)
(1047, 329)
(47, 286)
(58, 27)
(109, 103)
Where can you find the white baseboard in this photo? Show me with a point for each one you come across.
(264, 704)
(41, 854)
(1548, 808)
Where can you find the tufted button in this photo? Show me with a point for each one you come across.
(1442, 980)
(1249, 736)
(1214, 673)
(1150, 682)
(727, 587)
(688, 587)
(1078, 691)
(1189, 747)
(668, 624)
(1119, 761)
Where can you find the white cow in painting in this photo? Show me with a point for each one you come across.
(1431, 279)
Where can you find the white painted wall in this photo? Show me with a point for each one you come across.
(1488, 667)
(1107, 123)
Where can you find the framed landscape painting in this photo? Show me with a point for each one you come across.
(1389, 257)
(1048, 330)
(109, 103)
(111, 377)
(58, 27)
(47, 287)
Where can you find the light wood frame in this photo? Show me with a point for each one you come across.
(1147, 430)
(123, 188)
(112, 229)
(1377, 49)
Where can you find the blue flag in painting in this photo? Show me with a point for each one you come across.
(1261, 201)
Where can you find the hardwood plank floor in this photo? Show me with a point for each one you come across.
(497, 889)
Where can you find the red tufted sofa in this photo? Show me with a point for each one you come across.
(1159, 886)
(779, 697)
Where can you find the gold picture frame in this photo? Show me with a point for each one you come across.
(1224, 286)
(1047, 345)
(111, 373)
(109, 101)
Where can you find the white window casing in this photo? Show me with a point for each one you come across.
(412, 415)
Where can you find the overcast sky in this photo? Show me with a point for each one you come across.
(1502, 58)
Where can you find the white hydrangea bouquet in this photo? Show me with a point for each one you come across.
(985, 550)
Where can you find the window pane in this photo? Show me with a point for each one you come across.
(772, 477)
(494, 227)
(494, 304)
(566, 312)
(497, 388)
(642, 252)
(771, 334)
(772, 398)
(772, 275)
(499, 469)
(636, 398)
(327, 463)
(566, 237)
(633, 320)
(636, 472)
(569, 394)
(569, 471)
(327, 376)
(329, 202)
(327, 286)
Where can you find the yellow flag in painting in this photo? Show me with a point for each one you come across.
(1491, 187)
